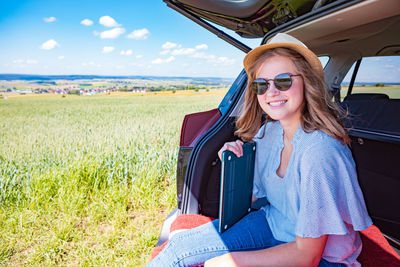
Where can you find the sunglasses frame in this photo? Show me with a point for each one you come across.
(255, 85)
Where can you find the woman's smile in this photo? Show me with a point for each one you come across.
(276, 103)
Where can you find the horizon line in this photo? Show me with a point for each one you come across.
(108, 75)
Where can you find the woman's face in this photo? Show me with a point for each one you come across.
(284, 106)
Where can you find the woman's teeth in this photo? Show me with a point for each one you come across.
(277, 103)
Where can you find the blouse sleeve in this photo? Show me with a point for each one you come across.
(330, 196)
(258, 191)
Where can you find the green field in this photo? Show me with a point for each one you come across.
(88, 180)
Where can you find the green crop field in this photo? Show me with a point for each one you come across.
(88, 180)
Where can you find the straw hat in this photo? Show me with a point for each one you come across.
(286, 41)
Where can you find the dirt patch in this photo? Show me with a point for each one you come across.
(106, 229)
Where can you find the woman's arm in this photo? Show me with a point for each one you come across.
(305, 251)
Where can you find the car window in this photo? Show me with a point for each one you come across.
(324, 60)
(375, 75)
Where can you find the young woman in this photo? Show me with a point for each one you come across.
(303, 168)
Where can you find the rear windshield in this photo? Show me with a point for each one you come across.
(375, 75)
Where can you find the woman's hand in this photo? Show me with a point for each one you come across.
(225, 260)
(236, 147)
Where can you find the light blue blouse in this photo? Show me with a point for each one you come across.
(318, 195)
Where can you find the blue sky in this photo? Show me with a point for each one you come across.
(127, 37)
(119, 38)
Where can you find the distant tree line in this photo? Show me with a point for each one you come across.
(160, 88)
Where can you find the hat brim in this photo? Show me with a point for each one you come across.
(309, 56)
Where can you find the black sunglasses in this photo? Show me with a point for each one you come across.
(282, 82)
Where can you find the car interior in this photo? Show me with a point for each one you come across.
(346, 36)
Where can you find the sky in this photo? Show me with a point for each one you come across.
(107, 37)
(125, 37)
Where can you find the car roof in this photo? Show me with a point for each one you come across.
(370, 28)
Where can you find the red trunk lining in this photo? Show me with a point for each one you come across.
(196, 124)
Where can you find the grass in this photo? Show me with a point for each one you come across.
(88, 180)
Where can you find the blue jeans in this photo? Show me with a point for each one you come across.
(199, 244)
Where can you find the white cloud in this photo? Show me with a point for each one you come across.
(31, 61)
(50, 44)
(201, 47)
(27, 62)
(183, 51)
(224, 61)
(192, 52)
(162, 61)
(168, 45)
(135, 64)
(139, 56)
(140, 34)
(126, 53)
(178, 51)
(61, 57)
(171, 58)
(50, 19)
(108, 21)
(90, 64)
(203, 55)
(108, 49)
(87, 22)
(213, 59)
(112, 34)
(157, 61)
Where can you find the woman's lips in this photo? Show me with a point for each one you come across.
(276, 104)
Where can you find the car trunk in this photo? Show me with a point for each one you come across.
(198, 165)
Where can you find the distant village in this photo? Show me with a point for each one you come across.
(106, 86)
(76, 91)
(73, 90)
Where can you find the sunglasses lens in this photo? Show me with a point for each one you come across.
(259, 86)
(283, 82)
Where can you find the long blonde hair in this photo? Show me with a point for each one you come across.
(319, 111)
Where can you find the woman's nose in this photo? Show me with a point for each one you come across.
(272, 91)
